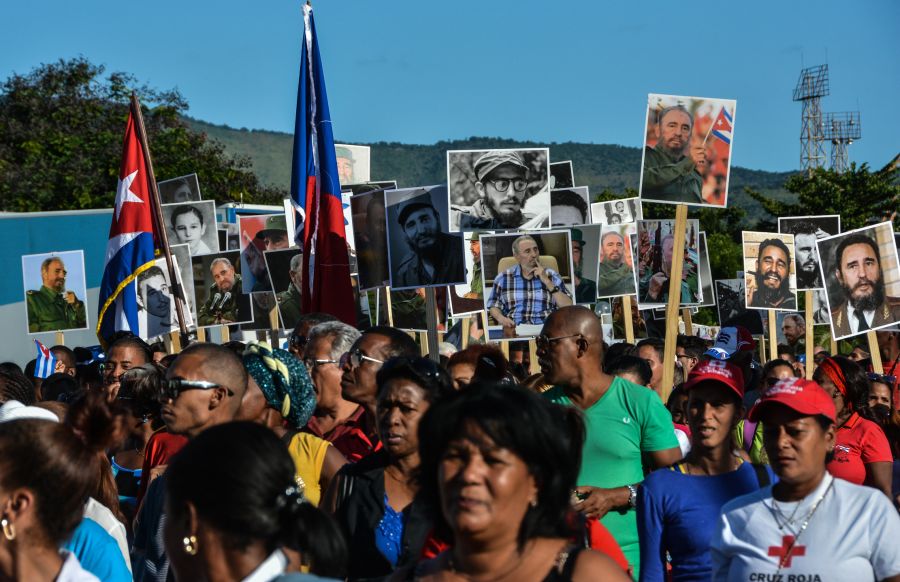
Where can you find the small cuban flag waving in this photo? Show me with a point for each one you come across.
(722, 126)
(46, 361)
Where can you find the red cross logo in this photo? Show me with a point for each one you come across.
(787, 552)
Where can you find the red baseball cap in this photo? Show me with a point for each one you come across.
(719, 371)
(798, 394)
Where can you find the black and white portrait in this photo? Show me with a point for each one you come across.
(862, 279)
(616, 211)
(182, 256)
(370, 235)
(156, 301)
(807, 230)
(708, 295)
(731, 308)
(569, 207)
(562, 175)
(421, 253)
(181, 189)
(498, 189)
(193, 224)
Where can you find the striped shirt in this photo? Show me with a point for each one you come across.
(524, 300)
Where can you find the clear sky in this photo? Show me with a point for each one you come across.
(423, 71)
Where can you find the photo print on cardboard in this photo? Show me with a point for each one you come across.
(421, 253)
(353, 163)
(503, 268)
(707, 294)
(156, 301)
(570, 207)
(55, 291)
(498, 189)
(182, 256)
(285, 268)
(790, 331)
(807, 230)
(259, 233)
(862, 279)
(620, 211)
(193, 224)
(180, 189)
(585, 258)
(370, 235)
(562, 175)
(687, 150)
(615, 268)
(468, 298)
(218, 288)
(769, 279)
(638, 323)
(730, 303)
(655, 256)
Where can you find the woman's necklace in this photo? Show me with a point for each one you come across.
(516, 562)
(786, 558)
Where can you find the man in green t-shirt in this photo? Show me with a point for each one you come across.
(622, 422)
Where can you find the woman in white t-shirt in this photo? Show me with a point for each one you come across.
(810, 525)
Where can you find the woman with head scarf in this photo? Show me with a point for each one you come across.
(810, 525)
(862, 454)
(280, 384)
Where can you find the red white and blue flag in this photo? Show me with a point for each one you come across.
(722, 126)
(46, 361)
(316, 191)
(130, 249)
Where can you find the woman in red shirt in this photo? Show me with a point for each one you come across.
(862, 454)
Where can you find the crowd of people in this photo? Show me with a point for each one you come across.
(349, 455)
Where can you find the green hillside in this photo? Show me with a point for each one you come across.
(598, 166)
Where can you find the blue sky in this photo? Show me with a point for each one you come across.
(419, 72)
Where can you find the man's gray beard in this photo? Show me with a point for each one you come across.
(869, 302)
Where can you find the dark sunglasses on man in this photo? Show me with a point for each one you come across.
(170, 389)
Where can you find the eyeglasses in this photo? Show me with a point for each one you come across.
(298, 341)
(685, 356)
(171, 389)
(543, 342)
(312, 363)
(355, 358)
(883, 378)
(502, 185)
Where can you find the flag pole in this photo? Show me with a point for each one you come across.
(157, 210)
(711, 126)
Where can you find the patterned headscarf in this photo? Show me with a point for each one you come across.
(284, 381)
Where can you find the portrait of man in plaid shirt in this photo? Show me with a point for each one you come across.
(526, 293)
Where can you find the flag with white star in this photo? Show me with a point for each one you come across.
(131, 245)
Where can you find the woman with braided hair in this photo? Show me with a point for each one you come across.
(233, 508)
(283, 383)
(862, 454)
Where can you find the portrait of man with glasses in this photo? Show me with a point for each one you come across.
(498, 189)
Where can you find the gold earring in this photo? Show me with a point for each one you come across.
(9, 530)
(190, 545)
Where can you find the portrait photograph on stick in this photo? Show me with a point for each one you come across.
(218, 287)
(370, 235)
(585, 257)
(468, 298)
(562, 175)
(55, 291)
(862, 280)
(156, 301)
(615, 268)
(193, 224)
(285, 268)
(638, 323)
(807, 230)
(498, 189)
(526, 278)
(687, 150)
(770, 282)
(656, 254)
(260, 233)
(620, 211)
(731, 305)
(569, 207)
(353, 163)
(182, 256)
(421, 251)
(181, 189)
(707, 293)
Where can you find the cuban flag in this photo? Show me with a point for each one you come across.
(722, 126)
(316, 192)
(46, 361)
(130, 249)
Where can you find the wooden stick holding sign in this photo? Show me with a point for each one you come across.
(688, 322)
(674, 301)
(629, 321)
(810, 335)
(175, 347)
(387, 303)
(431, 320)
(533, 366)
(875, 352)
(762, 349)
(274, 326)
(773, 335)
(60, 338)
(466, 325)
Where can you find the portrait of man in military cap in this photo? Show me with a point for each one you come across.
(55, 291)
(420, 251)
(260, 233)
(218, 287)
(352, 163)
(498, 189)
(285, 267)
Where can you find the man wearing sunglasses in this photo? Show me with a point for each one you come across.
(502, 184)
(374, 347)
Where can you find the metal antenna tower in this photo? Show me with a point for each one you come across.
(842, 129)
(811, 87)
